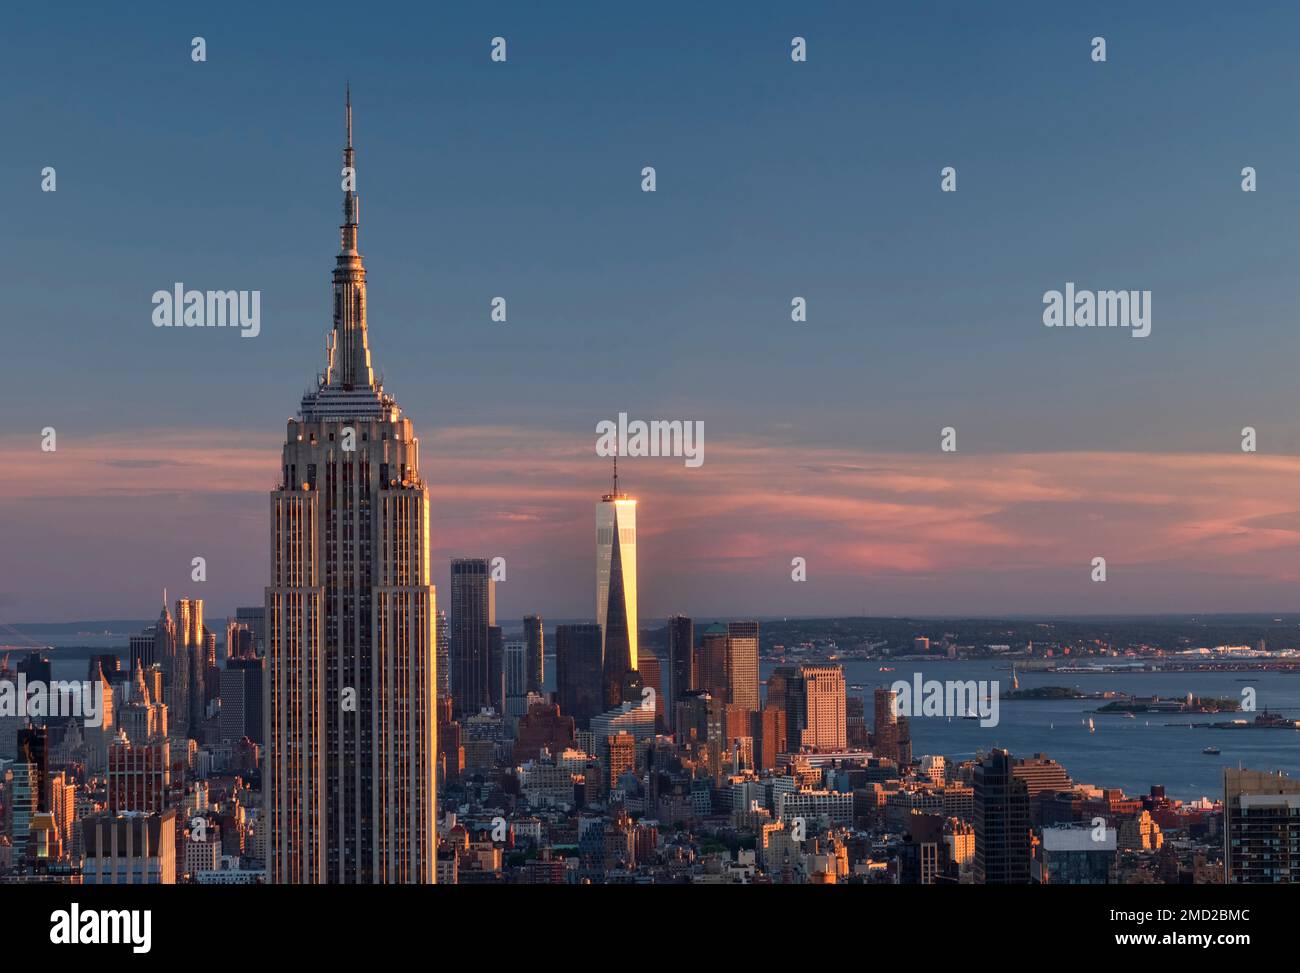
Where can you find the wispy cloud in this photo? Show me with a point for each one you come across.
(888, 531)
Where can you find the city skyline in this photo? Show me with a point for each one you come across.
(970, 588)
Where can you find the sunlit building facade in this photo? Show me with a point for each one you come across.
(616, 592)
(350, 619)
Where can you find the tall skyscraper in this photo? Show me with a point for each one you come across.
(892, 734)
(711, 662)
(185, 702)
(142, 649)
(242, 702)
(514, 671)
(496, 669)
(616, 592)
(815, 705)
(578, 671)
(514, 655)
(783, 692)
(210, 681)
(473, 615)
(34, 750)
(727, 664)
(856, 720)
(164, 656)
(652, 678)
(742, 665)
(350, 714)
(1002, 829)
(28, 794)
(444, 653)
(23, 799)
(770, 735)
(535, 638)
(823, 708)
(681, 661)
(1261, 828)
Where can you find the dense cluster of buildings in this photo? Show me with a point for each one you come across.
(704, 789)
(163, 784)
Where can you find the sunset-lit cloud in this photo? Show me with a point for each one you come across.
(120, 516)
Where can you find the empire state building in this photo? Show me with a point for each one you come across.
(350, 615)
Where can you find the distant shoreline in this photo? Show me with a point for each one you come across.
(1153, 664)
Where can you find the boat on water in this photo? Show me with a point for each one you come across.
(885, 669)
(1092, 727)
(1212, 751)
(1129, 716)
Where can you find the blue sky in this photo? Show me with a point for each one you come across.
(775, 179)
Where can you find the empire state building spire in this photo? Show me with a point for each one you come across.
(350, 693)
(349, 351)
(349, 227)
(348, 389)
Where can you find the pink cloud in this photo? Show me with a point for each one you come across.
(105, 520)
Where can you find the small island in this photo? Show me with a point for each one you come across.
(1048, 692)
(1154, 704)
